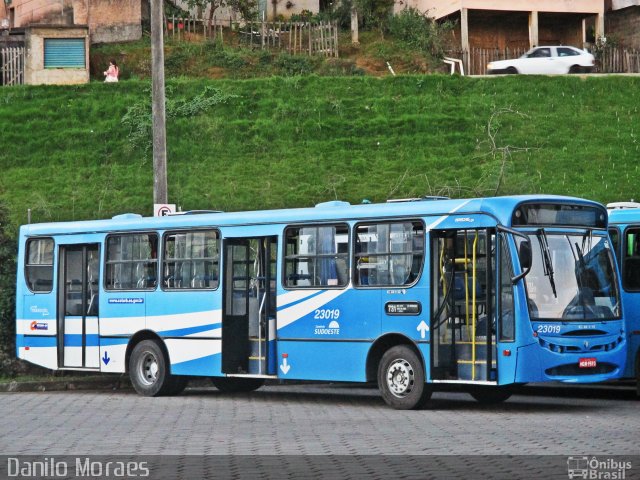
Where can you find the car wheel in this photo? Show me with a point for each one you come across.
(512, 70)
(575, 69)
(148, 370)
(491, 395)
(237, 384)
(401, 379)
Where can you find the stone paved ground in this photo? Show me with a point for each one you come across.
(322, 420)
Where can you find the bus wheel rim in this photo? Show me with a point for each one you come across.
(148, 369)
(400, 378)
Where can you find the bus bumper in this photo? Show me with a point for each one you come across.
(537, 364)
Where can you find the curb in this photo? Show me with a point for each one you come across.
(62, 385)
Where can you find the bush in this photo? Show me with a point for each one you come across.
(292, 65)
(418, 30)
(334, 67)
(8, 361)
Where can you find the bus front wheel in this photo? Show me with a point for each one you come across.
(401, 379)
(149, 372)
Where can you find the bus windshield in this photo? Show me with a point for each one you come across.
(572, 277)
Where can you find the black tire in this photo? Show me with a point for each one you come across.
(401, 379)
(575, 69)
(512, 71)
(148, 370)
(237, 384)
(491, 395)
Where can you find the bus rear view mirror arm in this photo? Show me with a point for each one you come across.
(524, 253)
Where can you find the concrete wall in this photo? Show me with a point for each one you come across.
(108, 20)
(624, 25)
(443, 8)
(36, 74)
(274, 9)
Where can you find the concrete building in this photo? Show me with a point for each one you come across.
(517, 23)
(107, 20)
(622, 22)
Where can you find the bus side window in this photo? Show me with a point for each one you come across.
(388, 254)
(132, 261)
(631, 265)
(39, 265)
(191, 260)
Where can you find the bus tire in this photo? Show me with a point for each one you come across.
(148, 370)
(491, 395)
(237, 384)
(401, 379)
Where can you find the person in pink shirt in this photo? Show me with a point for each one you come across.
(111, 75)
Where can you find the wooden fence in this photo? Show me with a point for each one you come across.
(609, 60)
(618, 60)
(297, 38)
(476, 59)
(12, 66)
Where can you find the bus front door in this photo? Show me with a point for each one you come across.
(78, 286)
(463, 299)
(249, 306)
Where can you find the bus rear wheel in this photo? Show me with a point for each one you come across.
(237, 384)
(401, 379)
(149, 372)
(491, 395)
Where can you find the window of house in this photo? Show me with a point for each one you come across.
(39, 265)
(191, 260)
(64, 53)
(132, 262)
(316, 256)
(388, 254)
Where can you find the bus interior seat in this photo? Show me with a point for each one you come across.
(341, 270)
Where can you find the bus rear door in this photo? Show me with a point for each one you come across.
(78, 286)
(249, 306)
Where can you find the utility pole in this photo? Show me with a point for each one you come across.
(160, 194)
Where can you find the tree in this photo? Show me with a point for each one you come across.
(248, 9)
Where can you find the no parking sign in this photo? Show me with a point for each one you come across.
(163, 209)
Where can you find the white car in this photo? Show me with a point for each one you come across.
(546, 60)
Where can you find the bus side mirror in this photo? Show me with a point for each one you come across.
(524, 255)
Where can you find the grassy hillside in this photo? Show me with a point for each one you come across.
(82, 152)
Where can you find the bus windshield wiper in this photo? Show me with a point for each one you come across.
(547, 264)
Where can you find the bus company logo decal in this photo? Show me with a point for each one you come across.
(126, 301)
(39, 326)
(43, 311)
(596, 468)
(464, 219)
(332, 329)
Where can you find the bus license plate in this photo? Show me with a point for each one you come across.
(587, 363)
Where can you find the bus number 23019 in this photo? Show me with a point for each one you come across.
(327, 314)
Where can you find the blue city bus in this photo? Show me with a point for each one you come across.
(415, 295)
(624, 228)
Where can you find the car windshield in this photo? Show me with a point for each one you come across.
(572, 277)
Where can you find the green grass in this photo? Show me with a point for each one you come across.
(283, 142)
